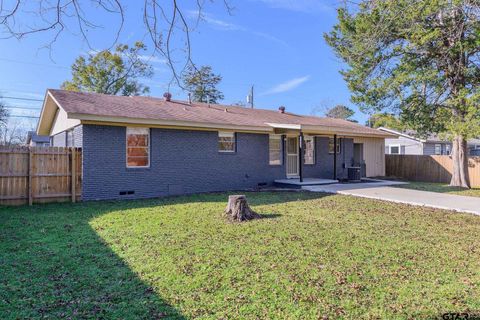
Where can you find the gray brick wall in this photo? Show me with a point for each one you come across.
(78, 136)
(323, 167)
(186, 162)
(181, 162)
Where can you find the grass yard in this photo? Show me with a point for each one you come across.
(442, 188)
(313, 255)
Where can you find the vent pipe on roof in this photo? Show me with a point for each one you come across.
(281, 109)
(167, 96)
(189, 98)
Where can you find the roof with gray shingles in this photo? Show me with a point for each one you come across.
(140, 107)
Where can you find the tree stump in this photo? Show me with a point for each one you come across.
(238, 210)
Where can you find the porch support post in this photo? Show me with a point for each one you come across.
(300, 156)
(334, 157)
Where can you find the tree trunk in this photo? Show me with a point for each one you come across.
(238, 210)
(460, 163)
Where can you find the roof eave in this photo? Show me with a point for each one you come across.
(341, 131)
(47, 114)
(401, 134)
(88, 118)
(269, 128)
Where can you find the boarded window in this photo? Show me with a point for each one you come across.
(226, 141)
(138, 147)
(275, 150)
(309, 156)
(331, 145)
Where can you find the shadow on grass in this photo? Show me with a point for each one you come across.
(254, 198)
(269, 216)
(53, 264)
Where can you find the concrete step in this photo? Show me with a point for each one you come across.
(296, 184)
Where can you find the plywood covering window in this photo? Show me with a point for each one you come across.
(275, 150)
(309, 156)
(138, 147)
(226, 141)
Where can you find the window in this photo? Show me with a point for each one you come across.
(448, 149)
(69, 138)
(331, 145)
(275, 150)
(309, 155)
(138, 147)
(438, 149)
(394, 149)
(226, 141)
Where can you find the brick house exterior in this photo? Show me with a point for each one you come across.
(188, 160)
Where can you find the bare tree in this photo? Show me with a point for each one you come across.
(165, 22)
(322, 107)
(3, 114)
(14, 133)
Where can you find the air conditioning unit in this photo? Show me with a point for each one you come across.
(354, 174)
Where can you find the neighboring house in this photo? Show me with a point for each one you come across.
(34, 140)
(408, 143)
(138, 147)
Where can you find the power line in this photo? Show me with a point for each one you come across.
(19, 98)
(18, 116)
(25, 108)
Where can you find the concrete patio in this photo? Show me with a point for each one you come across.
(384, 190)
(296, 183)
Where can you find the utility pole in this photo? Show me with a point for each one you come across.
(250, 98)
(251, 95)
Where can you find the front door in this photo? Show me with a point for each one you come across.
(292, 157)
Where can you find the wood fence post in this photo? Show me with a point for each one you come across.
(30, 173)
(416, 167)
(74, 174)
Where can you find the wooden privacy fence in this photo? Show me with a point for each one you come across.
(40, 174)
(428, 168)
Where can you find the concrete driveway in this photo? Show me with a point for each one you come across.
(383, 190)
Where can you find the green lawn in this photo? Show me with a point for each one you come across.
(441, 187)
(312, 255)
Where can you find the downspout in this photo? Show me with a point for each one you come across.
(334, 157)
(344, 156)
(300, 156)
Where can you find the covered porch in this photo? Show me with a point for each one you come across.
(311, 155)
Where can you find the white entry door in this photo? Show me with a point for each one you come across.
(292, 157)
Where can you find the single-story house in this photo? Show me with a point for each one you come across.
(409, 143)
(35, 140)
(138, 147)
